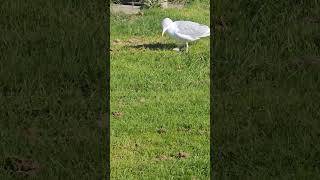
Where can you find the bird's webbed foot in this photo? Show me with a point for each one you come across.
(176, 49)
(180, 47)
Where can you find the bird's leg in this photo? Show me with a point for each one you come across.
(187, 46)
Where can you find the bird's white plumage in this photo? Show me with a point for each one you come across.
(191, 31)
(184, 31)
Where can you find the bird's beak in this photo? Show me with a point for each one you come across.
(163, 31)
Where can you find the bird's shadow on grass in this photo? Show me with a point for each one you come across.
(155, 46)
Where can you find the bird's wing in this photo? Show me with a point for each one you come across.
(191, 30)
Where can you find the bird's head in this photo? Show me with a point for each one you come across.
(166, 22)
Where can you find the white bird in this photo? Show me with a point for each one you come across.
(184, 31)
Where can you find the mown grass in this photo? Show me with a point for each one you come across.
(266, 115)
(52, 88)
(161, 98)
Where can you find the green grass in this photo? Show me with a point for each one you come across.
(159, 88)
(52, 80)
(266, 115)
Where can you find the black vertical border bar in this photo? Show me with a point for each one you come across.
(212, 70)
(107, 28)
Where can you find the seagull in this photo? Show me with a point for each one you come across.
(184, 31)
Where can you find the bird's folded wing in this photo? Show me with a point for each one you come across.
(186, 37)
(191, 30)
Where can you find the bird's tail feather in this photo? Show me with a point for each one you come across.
(206, 34)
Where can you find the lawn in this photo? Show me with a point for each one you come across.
(52, 90)
(266, 90)
(159, 98)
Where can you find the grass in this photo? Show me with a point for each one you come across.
(160, 99)
(52, 78)
(266, 115)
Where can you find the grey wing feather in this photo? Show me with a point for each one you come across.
(192, 29)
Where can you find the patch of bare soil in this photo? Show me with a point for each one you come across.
(182, 155)
(117, 114)
(185, 129)
(21, 166)
(161, 130)
(131, 41)
(163, 158)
